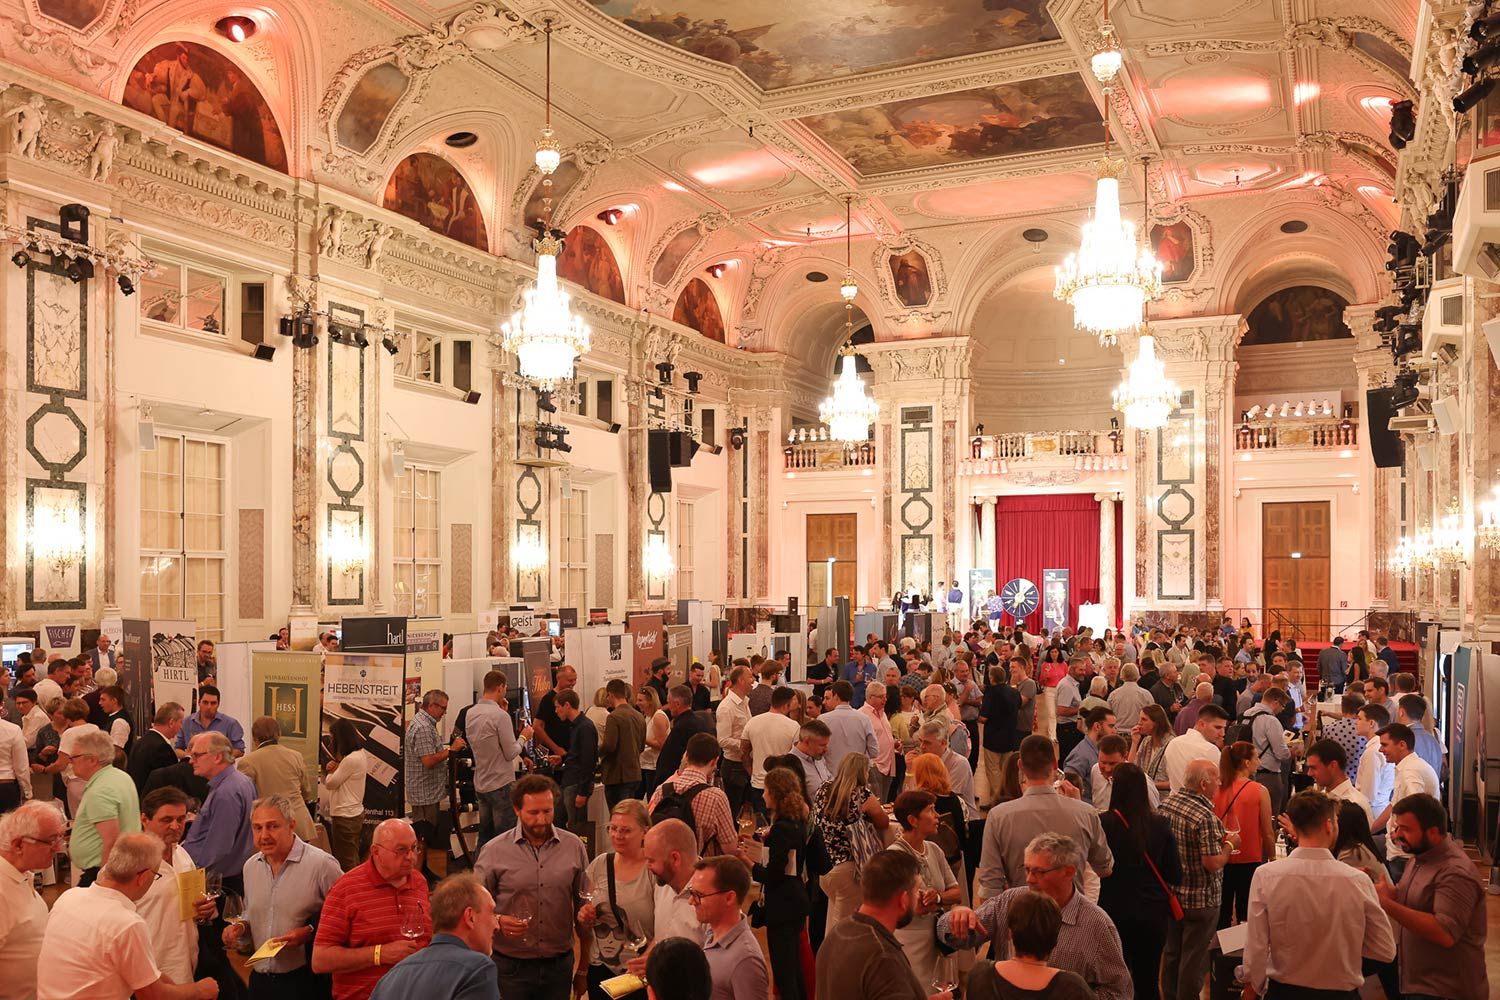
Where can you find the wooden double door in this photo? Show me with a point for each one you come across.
(1296, 563)
(832, 558)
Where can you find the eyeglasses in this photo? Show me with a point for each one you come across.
(1039, 872)
(412, 849)
(695, 897)
(54, 842)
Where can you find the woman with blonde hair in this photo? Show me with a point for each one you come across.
(623, 913)
(648, 703)
(851, 820)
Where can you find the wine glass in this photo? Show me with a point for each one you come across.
(213, 888)
(523, 908)
(413, 926)
(637, 940)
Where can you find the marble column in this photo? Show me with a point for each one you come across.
(304, 460)
(1107, 569)
(502, 485)
(110, 492)
(985, 558)
(1484, 454)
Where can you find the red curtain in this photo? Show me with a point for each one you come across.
(1049, 531)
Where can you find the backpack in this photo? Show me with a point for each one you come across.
(678, 805)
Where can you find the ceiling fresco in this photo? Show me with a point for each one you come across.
(1031, 116)
(781, 43)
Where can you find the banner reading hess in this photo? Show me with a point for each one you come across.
(366, 689)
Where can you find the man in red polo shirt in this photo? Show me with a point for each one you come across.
(359, 933)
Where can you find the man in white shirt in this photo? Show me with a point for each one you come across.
(29, 840)
(671, 854)
(1377, 776)
(1327, 766)
(1414, 776)
(769, 734)
(174, 940)
(50, 686)
(1127, 700)
(849, 731)
(1312, 918)
(731, 717)
(97, 947)
(1205, 741)
(15, 769)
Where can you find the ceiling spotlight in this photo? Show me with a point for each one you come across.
(20, 258)
(1472, 95)
(237, 28)
(692, 381)
(461, 140)
(360, 340)
(737, 438)
(126, 285)
(79, 269)
(611, 216)
(544, 402)
(389, 344)
(664, 371)
(1403, 124)
(717, 270)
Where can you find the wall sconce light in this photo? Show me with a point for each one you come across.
(529, 554)
(656, 559)
(57, 536)
(345, 545)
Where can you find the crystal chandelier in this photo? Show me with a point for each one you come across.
(544, 334)
(1487, 531)
(1107, 58)
(529, 553)
(1147, 397)
(1414, 554)
(1110, 278)
(1450, 539)
(849, 410)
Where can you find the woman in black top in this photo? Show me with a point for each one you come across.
(785, 904)
(1132, 895)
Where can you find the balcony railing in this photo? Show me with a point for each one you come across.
(808, 456)
(991, 454)
(1296, 435)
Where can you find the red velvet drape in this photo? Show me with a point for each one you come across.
(1049, 531)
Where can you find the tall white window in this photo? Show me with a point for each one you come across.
(183, 555)
(574, 542)
(419, 355)
(684, 572)
(418, 543)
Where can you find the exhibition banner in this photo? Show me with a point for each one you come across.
(133, 664)
(1460, 689)
(648, 635)
(424, 660)
(617, 667)
(289, 688)
(174, 662)
(367, 689)
(1054, 599)
(61, 639)
(372, 635)
(981, 589)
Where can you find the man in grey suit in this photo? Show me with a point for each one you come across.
(1333, 665)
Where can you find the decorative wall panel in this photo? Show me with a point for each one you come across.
(917, 511)
(461, 568)
(604, 570)
(531, 498)
(57, 436)
(1177, 506)
(346, 543)
(250, 553)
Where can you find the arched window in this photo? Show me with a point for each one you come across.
(696, 307)
(428, 189)
(588, 262)
(203, 94)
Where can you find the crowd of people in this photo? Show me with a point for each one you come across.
(1139, 793)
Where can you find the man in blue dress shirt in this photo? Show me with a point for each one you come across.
(456, 965)
(208, 719)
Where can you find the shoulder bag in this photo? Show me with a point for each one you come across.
(1173, 903)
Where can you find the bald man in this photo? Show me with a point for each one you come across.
(1203, 694)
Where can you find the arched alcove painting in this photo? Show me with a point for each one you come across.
(1296, 315)
(197, 91)
(913, 283)
(696, 307)
(428, 189)
(588, 262)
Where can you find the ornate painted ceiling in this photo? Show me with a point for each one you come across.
(733, 133)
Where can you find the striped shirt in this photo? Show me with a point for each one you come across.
(425, 785)
(363, 909)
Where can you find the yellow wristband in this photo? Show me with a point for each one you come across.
(377, 954)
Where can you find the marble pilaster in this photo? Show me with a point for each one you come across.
(1484, 450)
(502, 476)
(985, 557)
(304, 472)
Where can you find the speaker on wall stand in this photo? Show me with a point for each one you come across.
(659, 460)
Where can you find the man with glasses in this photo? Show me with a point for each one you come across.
(1088, 943)
(536, 874)
(220, 838)
(375, 915)
(30, 838)
(426, 763)
(108, 809)
(286, 883)
(718, 889)
(97, 947)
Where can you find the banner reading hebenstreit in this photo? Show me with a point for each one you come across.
(366, 689)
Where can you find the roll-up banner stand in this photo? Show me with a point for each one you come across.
(649, 638)
(289, 688)
(133, 664)
(174, 664)
(424, 660)
(1054, 599)
(366, 683)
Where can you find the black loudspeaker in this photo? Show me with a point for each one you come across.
(659, 460)
(683, 448)
(1385, 444)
